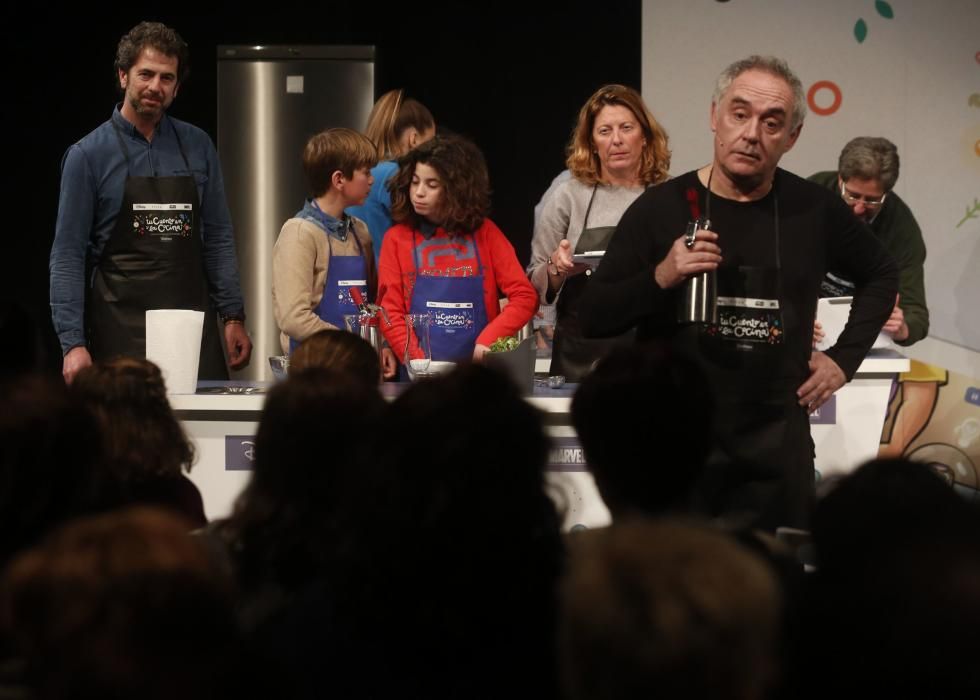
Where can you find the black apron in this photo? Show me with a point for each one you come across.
(760, 470)
(154, 259)
(573, 355)
(836, 286)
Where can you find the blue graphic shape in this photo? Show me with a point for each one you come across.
(973, 396)
(239, 452)
(566, 455)
(826, 414)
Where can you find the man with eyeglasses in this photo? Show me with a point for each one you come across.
(866, 173)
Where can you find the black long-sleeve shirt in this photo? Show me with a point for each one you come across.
(816, 230)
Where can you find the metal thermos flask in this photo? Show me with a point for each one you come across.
(699, 299)
(366, 322)
(368, 329)
(367, 325)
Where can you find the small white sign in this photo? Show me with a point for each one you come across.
(449, 304)
(833, 314)
(294, 84)
(166, 206)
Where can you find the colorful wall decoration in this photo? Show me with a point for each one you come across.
(934, 417)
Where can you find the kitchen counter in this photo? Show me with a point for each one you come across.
(222, 419)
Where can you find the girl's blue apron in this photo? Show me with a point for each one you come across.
(455, 305)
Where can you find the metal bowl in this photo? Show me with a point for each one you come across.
(556, 381)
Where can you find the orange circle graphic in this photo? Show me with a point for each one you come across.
(976, 148)
(820, 85)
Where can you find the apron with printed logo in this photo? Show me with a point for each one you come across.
(454, 303)
(760, 471)
(153, 260)
(344, 272)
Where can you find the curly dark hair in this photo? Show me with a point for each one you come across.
(128, 398)
(155, 35)
(466, 184)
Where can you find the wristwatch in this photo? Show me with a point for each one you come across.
(232, 318)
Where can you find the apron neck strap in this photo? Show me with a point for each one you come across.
(180, 145)
(350, 232)
(122, 142)
(125, 149)
(588, 209)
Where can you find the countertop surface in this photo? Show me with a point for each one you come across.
(250, 396)
(237, 395)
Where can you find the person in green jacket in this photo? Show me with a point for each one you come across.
(866, 173)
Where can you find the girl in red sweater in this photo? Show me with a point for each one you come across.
(444, 257)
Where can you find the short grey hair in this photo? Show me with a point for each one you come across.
(768, 64)
(870, 158)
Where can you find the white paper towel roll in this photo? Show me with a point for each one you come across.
(173, 343)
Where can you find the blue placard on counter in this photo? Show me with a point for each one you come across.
(973, 395)
(826, 414)
(566, 455)
(239, 452)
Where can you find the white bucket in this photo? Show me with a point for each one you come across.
(173, 343)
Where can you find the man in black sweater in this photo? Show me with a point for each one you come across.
(771, 238)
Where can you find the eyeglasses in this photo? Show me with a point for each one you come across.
(868, 202)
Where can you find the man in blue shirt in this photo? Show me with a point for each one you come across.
(143, 222)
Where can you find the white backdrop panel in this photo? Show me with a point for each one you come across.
(914, 79)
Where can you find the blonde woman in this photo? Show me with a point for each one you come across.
(616, 151)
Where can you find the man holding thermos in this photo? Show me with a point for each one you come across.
(766, 237)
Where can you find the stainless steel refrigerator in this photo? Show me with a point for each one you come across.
(271, 99)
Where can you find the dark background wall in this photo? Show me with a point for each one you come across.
(510, 75)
